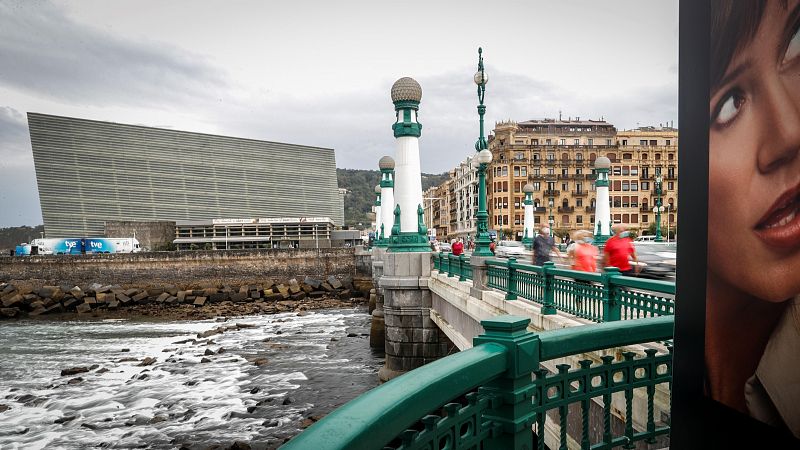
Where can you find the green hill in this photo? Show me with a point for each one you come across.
(11, 237)
(360, 197)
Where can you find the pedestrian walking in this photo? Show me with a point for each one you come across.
(457, 247)
(543, 244)
(619, 250)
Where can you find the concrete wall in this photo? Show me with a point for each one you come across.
(197, 268)
(152, 235)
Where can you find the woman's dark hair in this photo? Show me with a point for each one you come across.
(733, 25)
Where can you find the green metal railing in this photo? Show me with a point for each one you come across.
(599, 297)
(453, 266)
(499, 394)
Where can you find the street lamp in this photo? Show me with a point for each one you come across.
(551, 220)
(658, 208)
(482, 159)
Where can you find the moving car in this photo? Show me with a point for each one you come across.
(445, 247)
(657, 261)
(504, 249)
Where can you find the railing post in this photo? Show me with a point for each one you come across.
(436, 262)
(549, 300)
(612, 310)
(461, 276)
(512, 279)
(450, 269)
(511, 410)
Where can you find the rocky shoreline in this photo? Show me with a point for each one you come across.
(21, 299)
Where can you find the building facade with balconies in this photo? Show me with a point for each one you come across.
(557, 158)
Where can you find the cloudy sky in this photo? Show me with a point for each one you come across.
(319, 72)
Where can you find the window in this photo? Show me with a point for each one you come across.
(670, 185)
(536, 185)
(617, 185)
(548, 141)
(626, 186)
(536, 172)
(644, 218)
(579, 219)
(505, 186)
(645, 185)
(608, 142)
(564, 187)
(625, 170)
(591, 219)
(578, 187)
(634, 202)
(516, 219)
(564, 172)
(562, 142)
(624, 142)
(564, 219)
(634, 186)
(519, 156)
(627, 156)
(670, 156)
(524, 171)
(579, 171)
(658, 156)
(516, 171)
(612, 157)
(536, 157)
(590, 142)
(634, 170)
(505, 171)
(535, 142)
(551, 157)
(643, 142)
(577, 142)
(653, 142)
(644, 156)
(579, 202)
(668, 142)
(551, 171)
(617, 170)
(626, 218)
(579, 156)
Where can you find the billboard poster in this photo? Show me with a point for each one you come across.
(737, 317)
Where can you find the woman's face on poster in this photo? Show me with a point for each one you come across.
(754, 176)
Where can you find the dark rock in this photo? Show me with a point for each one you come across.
(125, 350)
(239, 445)
(148, 361)
(157, 419)
(9, 312)
(302, 313)
(208, 352)
(113, 304)
(288, 401)
(312, 282)
(128, 360)
(89, 426)
(65, 419)
(245, 325)
(13, 301)
(255, 390)
(162, 297)
(84, 308)
(271, 423)
(199, 301)
(273, 297)
(94, 366)
(208, 333)
(70, 303)
(191, 383)
(75, 380)
(221, 350)
(344, 295)
(140, 297)
(218, 297)
(73, 371)
(39, 310)
(334, 282)
(298, 296)
(327, 287)
(352, 335)
(260, 361)
(4, 408)
(317, 294)
(103, 370)
(238, 297)
(205, 360)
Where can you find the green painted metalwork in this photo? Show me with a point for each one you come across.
(599, 297)
(461, 274)
(517, 393)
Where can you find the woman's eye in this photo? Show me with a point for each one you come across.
(731, 106)
(793, 49)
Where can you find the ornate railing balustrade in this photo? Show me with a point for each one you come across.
(453, 266)
(500, 394)
(599, 297)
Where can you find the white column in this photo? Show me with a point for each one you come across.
(603, 211)
(408, 182)
(528, 224)
(378, 218)
(387, 210)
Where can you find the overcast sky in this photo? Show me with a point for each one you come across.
(319, 72)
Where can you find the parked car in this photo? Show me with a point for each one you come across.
(445, 247)
(504, 249)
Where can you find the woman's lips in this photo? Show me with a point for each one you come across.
(780, 226)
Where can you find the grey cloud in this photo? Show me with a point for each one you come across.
(48, 54)
(14, 139)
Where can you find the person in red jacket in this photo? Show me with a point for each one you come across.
(619, 250)
(458, 247)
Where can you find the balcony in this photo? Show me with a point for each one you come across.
(566, 209)
(539, 209)
(580, 193)
(590, 209)
(551, 192)
(565, 177)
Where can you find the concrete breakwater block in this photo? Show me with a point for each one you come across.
(17, 302)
